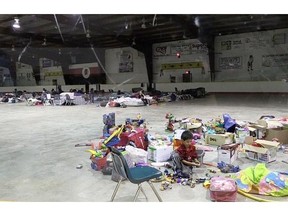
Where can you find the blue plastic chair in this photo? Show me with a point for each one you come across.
(136, 175)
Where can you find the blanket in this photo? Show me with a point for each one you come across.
(260, 180)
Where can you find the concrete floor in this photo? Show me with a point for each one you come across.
(38, 159)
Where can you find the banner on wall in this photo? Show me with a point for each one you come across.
(161, 51)
(234, 62)
(237, 44)
(47, 63)
(275, 60)
(184, 65)
(53, 73)
(184, 49)
(226, 45)
(199, 48)
(25, 76)
(279, 38)
(257, 43)
(126, 62)
(84, 70)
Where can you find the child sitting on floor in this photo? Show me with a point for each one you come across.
(186, 153)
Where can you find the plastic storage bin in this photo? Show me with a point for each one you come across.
(99, 163)
(223, 189)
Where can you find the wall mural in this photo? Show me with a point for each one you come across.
(184, 48)
(183, 65)
(275, 60)
(252, 56)
(234, 62)
(126, 62)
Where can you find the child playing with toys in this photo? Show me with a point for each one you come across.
(186, 153)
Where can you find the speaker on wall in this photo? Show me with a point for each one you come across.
(187, 76)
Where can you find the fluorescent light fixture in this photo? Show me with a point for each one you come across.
(143, 26)
(197, 21)
(16, 23)
(44, 42)
(88, 33)
(133, 42)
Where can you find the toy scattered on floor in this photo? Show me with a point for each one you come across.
(171, 120)
(79, 166)
(188, 182)
(165, 185)
(227, 168)
(95, 153)
(109, 122)
(212, 171)
(83, 144)
(135, 122)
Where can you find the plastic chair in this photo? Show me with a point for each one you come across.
(57, 100)
(136, 175)
(68, 100)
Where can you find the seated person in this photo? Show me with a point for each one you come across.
(186, 153)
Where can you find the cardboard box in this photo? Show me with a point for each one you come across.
(241, 134)
(219, 139)
(266, 151)
(194, 127)
(228, 153)
(258, 129)
(159, 153)
(280, 133)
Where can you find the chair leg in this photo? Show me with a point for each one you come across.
(116, 190)
(155, 191)
(137, 192)
(144, 193)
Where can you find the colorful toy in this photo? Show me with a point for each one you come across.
(114, 138)
(96, 153)
(171, 120)
(165, 185)
(109, 122)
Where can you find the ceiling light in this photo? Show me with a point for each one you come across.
(154, 23)
(184, 36)
(197, 21)
(44, 42)
(88, 33)
(133, 42)
(16, 23)
(126, 25)
(143, 26)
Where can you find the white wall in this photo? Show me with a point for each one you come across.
(249, 87)
(268, 48)
(5, 77)
(113, 57)
(24, 75)
(125, 87)
(191, 50)
(40, 88)
(48, 74)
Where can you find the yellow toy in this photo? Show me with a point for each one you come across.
(115, 133)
